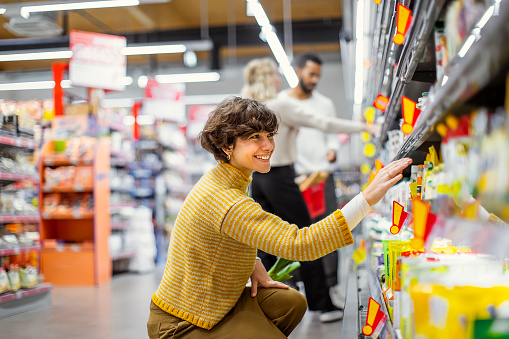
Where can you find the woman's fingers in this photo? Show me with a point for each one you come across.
(396, 167)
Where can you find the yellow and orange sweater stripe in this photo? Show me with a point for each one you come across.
(213, 246)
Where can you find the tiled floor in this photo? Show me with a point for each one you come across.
(116, 310)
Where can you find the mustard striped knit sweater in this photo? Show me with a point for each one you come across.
(213, 246)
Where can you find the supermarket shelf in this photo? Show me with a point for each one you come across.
(67, 215)
(68, 189)
(123, 255)
(18, 249)
(25, 300)
(4, 219)
(421, 28)
(66, 162)
(119, 225)
(142, 192)
(376, 293)
(384, 37)
(465, 76)
(351, 324)
(126, 204)
(361, 285)
(122, 156)
(121, 189)
(17, 141)
(116, 126)
(18, 177)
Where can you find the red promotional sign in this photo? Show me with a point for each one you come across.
(165, 101)
(97, 60)
(381, 102)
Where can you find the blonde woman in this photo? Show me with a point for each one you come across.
(276, 190)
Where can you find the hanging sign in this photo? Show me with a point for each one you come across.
(97, 61)
(164, 101)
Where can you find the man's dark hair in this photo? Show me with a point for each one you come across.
(301, 60)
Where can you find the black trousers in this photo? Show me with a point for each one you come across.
(330, 261)
(277, 193)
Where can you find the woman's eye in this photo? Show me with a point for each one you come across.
(255, 136)
(270, 135)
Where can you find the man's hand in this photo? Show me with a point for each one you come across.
(331, 156)
(261, 278)
(372, 129)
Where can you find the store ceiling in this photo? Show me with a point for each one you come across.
(315, 23)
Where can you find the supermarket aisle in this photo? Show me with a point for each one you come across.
(116, 310)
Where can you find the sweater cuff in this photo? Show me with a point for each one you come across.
(355, 210)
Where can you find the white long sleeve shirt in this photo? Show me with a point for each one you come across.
(292, 117)
(313, 144)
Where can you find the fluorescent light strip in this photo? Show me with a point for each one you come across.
(260, 15)
(26, 10)
(187, 77)
(274, 43)
(128, 120)
(486, 17)
(45, 84)
(36, 56)
(145, 119)
(359, 54)
(468, 43)
(188, 100)
(31, 85)
(67, 54)
(156, 49)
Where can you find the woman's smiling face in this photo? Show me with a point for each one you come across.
(253, 153)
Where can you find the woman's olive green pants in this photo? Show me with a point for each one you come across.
(273, 313)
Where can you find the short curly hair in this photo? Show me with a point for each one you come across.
(234, 118)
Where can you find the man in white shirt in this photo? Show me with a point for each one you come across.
(316, 149)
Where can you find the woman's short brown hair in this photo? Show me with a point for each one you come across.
(235, 117)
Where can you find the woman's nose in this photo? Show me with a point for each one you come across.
(267, 144)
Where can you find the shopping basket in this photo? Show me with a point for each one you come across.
(315, 199)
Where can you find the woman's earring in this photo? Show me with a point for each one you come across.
(228, 156)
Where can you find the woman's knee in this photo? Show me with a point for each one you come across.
(278, 302)
(297, 301)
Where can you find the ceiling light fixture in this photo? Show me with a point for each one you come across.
(187, 77)
(134, 49)
(44, 84)
(268, 33)
(25, 11)
(180, 78)
(31, 85)
(154, 49)
(34, 55)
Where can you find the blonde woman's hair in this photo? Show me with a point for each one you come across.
(259, 82)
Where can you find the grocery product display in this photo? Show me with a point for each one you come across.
(431, 260)
(20, 277)
(75, 190)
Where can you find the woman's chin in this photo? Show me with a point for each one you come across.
(263, 170)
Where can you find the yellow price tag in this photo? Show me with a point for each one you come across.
(359, 255)
(365, 168)
(369, 150)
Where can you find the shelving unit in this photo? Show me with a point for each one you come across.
(76, 236)
(39, 296)
(409, 61)
(465, 77)
(475, 77)
(24, 300)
